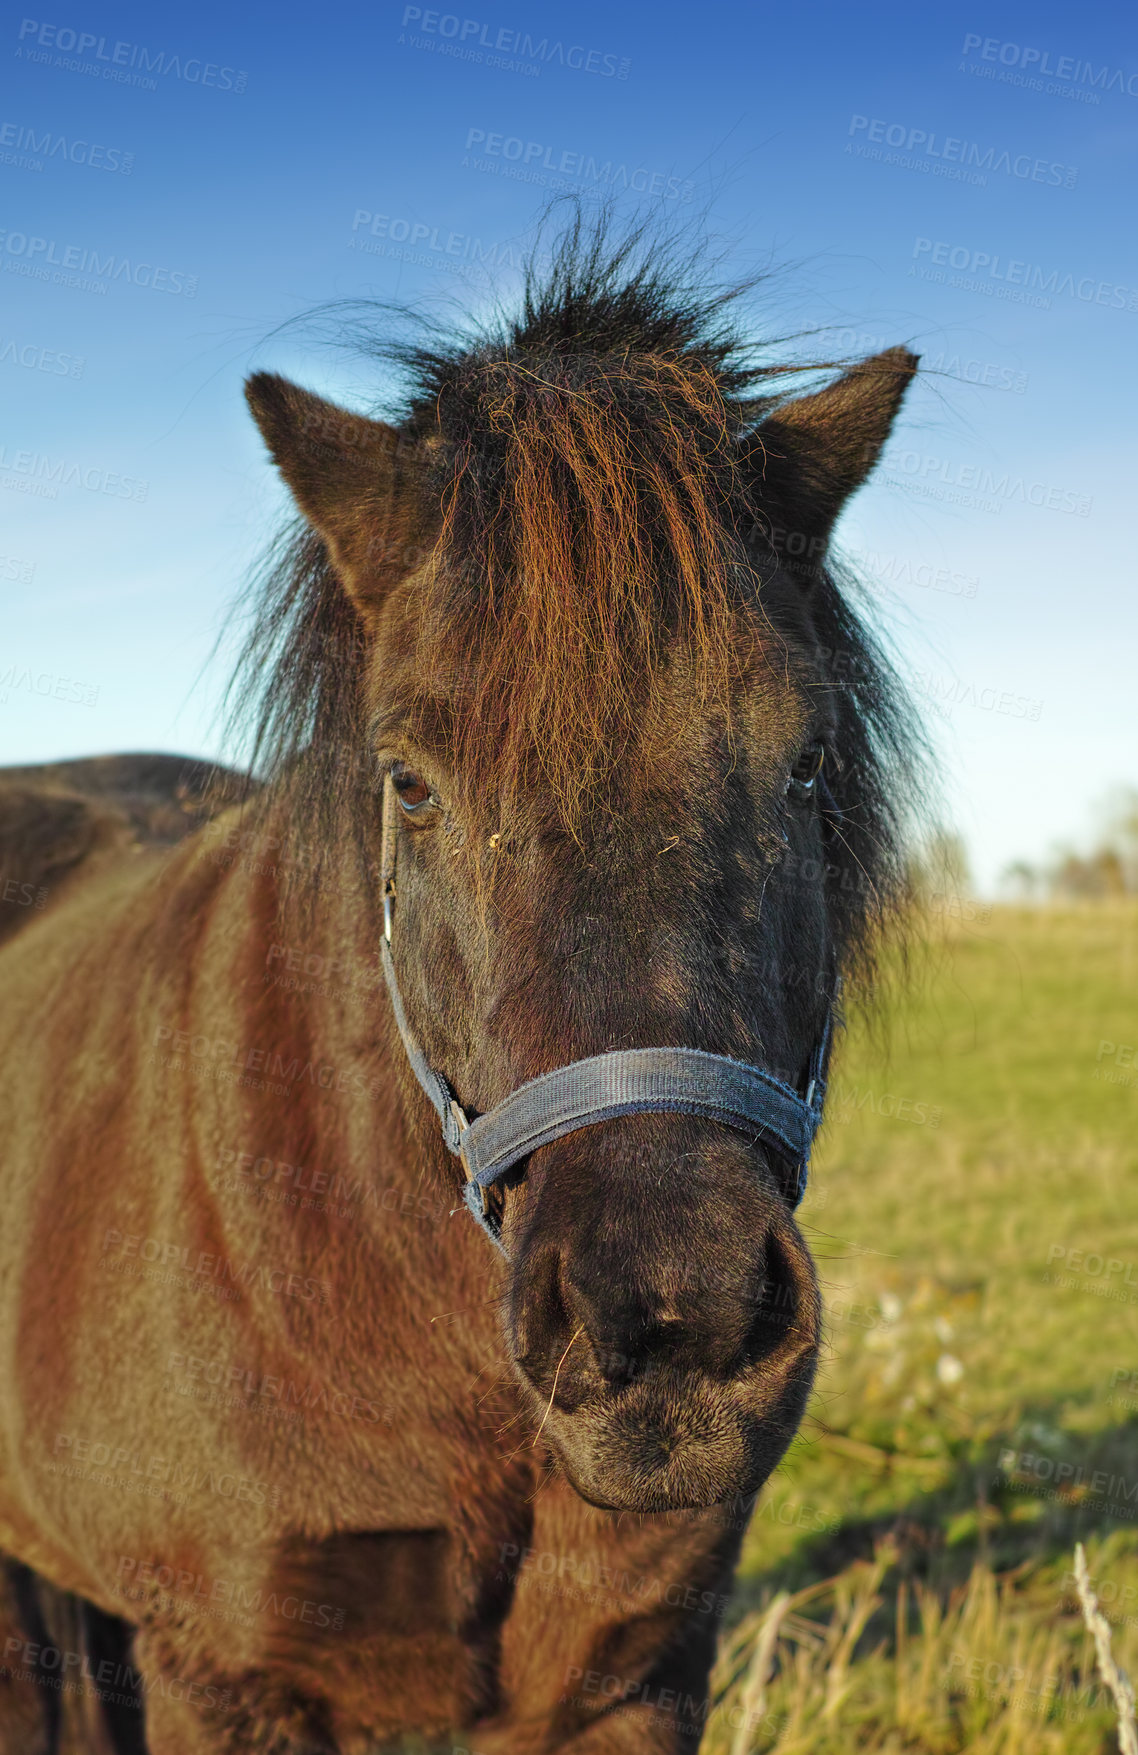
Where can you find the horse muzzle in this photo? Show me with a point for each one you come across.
(667, 1333)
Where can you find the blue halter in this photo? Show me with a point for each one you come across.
(628, 1081)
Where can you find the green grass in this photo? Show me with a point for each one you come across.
(905, 1585)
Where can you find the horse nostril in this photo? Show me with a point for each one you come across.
(617, 1365)
(568, 1345)
(541, 1320)
(554, 1330)
(624, 1361)
(777, 1301)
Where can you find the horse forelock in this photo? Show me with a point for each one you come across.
(588, 537)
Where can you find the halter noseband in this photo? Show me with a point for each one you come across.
(628, 1081)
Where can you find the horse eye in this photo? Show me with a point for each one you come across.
(806, 770)
(412, 790)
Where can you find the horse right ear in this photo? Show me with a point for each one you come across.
(810, 455)
(358, 482)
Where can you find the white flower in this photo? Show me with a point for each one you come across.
(949, 1369)
(891, 1306)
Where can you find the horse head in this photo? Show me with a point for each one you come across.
(587, 625)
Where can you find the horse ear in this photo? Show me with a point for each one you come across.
(358, 482)
(809, 456)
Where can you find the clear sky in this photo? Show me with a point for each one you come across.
(179, 181)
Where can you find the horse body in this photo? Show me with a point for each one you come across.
(230, 1414)
(266, 1395)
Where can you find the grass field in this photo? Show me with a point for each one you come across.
(906, 1584)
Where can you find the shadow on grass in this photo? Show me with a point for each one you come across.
(1016, 1504)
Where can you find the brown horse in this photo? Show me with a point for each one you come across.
(324, 1467)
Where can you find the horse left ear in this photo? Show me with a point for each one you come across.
(809, 456)
(358, 482)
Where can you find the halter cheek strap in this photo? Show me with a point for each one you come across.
(630, 1081)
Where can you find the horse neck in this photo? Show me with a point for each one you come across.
(298, 954)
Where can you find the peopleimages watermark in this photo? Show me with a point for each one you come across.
(14, 570)
(846, 1100)
(115, 1684)
(1019, 281)
(1100, 1489)
(1115, 1279)
(951, 156)
(87, 269)
(125, 63)
(28, 150)
(36, 358)
(945, 692)
(131, 1255)
(990, 374)
(276, 1181)
(1126, 1377)
(987, 374)
(1109, 1591)
(298, 969)
(1044, 1692)
(79, 1457)
(159, 1584)
(21, 894)
(239, 1062)
(1073, 74)
(469, 39)
(674, 1710)
(46, 684)
(231, 1385)
(419, 242)
(1121, 1063)
(974, 484)
(533, 161)
(52, 473)
(901, 570)
(584, 1578)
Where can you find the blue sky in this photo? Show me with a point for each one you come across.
(929, 175)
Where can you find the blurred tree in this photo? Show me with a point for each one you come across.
(1109, 870)
(1022, 879)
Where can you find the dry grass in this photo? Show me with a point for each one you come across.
(850, 1664)
(859, 1662)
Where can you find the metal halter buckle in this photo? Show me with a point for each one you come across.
(459, 1114)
